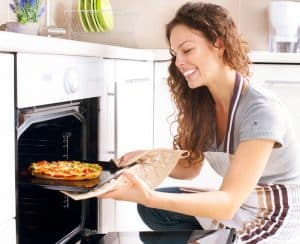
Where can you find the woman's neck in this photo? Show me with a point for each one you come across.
(222, 89)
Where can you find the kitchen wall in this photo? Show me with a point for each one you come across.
(147, 28)
(251, 18)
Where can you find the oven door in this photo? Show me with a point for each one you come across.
(64, 131)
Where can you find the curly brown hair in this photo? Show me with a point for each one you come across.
(195, 107)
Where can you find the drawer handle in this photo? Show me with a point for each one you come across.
(281, 82)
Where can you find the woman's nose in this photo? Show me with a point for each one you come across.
(179, 61)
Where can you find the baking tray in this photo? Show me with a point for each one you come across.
(110, 172)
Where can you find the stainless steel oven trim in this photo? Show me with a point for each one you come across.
(37, 117)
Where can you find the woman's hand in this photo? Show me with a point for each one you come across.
(128, 158)
(131, 188)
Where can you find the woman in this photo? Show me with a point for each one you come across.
(240, 129)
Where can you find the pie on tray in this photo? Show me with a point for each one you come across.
(65, 170)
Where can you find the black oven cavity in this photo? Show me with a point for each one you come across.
(66, 131)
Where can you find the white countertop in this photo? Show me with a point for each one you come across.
(268, 57)
(15, 42)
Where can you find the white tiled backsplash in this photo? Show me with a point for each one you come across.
(251, 18)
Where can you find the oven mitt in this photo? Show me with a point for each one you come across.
(153, 167)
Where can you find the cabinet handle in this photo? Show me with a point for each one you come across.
(281, 82)
(111, 94)
(116, 119)
(138, 80)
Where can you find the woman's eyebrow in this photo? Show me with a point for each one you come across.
(179, 46)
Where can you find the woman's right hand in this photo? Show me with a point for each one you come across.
(128, 158)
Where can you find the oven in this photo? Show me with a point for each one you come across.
(58, 117)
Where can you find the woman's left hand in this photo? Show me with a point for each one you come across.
(132, 189)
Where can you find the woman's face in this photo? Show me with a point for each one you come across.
(196, 58)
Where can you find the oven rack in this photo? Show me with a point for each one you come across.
(83, 25)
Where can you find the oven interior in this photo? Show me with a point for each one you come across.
(46, 216)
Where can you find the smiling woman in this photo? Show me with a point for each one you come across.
(238, 127)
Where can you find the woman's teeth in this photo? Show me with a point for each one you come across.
(188, 72)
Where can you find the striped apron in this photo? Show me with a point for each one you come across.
(271, 213)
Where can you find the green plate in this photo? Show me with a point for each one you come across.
(81, 15)
(96, 21)
(88, 15)
(105, 14)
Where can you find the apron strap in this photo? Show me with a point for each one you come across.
(237, 91)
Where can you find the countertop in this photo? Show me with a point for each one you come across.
(15, 42)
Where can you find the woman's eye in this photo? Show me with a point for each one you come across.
(187, 51)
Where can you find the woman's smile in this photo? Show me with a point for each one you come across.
(189, 73)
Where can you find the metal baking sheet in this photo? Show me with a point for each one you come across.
(110, 171)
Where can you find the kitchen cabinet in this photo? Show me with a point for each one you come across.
(127, 126)
(7, 148)
(134, 124)
(284, 81)
(107, 207)
(107, 122)
(164, 108)
(134, 105)
(128, 107)
(8, 232)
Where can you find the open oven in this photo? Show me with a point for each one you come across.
(58, 117)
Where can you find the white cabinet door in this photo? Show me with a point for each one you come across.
(107, 113)
(126, 123)
(164, 108)
(284, 81)
(106, 207)
(8, 232)
(134, 106)
(134, 125)
(7, 135)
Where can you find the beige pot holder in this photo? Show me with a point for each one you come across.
(153, 167)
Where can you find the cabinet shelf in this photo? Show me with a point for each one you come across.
(86, 25)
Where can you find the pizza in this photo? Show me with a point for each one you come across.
(65, 170)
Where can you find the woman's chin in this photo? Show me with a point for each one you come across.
(193, 84)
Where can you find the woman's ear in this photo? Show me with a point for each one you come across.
(220, 45)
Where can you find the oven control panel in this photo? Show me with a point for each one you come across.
(44, 79)
(71, 80)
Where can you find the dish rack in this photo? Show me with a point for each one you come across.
(121, 33)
